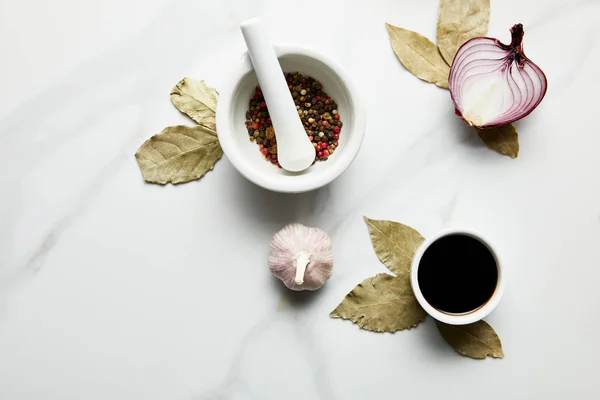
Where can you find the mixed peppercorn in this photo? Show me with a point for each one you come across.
(316, 109)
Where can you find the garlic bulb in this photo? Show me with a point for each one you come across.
(301, 257)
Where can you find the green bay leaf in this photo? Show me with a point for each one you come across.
(503, 139)
(459, 21)
(477, 340)
(394, 243)
(382, 303)
(419, 55)
(197, 100)
(179, 154)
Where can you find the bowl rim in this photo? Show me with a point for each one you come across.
(225, 106)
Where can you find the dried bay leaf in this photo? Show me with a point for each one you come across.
(478, 340)
(419, 55)
(197, 100)
(394, 243)
(459, 21)
(382, 303)
(179, 154)
(502, 139)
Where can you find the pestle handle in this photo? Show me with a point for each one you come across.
(295, 152)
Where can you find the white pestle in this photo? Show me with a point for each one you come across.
(295, 152)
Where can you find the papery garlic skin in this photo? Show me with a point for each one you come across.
(301, 257)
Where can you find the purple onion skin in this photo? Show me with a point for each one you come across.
(515, 55)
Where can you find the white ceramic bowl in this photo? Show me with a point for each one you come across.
(244, 154)
(450, 318)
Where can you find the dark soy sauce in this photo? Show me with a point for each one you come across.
(457, 274)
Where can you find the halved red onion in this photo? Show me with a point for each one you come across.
(492, 83)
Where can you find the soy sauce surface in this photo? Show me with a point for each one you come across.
(457, 274)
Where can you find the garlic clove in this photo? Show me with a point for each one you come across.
(301, 257)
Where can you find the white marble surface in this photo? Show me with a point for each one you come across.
(115, 289)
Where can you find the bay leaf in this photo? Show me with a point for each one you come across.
(459, 21)
(419, 55)
(197, 100)
(382, 303)
(179, 154)
(503, 139)
(394, 243)
(478, 340)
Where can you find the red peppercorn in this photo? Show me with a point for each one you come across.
(263, 120)
(263, 104)
(326, 152)
(318, 97)
(336, 129)
(269, 121)
(323, 145)
(336, 116)
(311, 138)
(320, 154)
(255, 125)
(265, 151)
(255, 113)
(327, 100)
(336, 136)
(324, 123)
